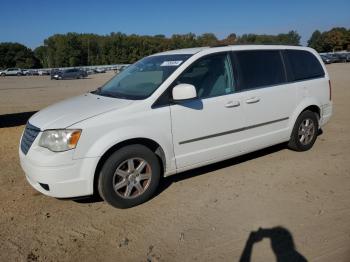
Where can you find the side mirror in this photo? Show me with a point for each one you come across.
(184, 92)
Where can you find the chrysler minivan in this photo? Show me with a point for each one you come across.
(175, 111)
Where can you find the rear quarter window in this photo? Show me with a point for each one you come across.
(303, 65)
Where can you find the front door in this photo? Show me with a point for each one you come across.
(208, 128)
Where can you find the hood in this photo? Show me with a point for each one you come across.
(76, 109)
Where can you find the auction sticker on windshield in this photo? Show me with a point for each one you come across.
(171, 63)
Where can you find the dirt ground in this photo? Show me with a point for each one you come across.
(32, 93)
(301, 200)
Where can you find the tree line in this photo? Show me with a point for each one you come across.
(336, 39)
(17, 55)
(73, 49)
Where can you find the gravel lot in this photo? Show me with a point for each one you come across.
(208, 214)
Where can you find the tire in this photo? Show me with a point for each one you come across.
(122, 175)
(305, 126)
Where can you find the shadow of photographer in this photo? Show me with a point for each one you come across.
(282, 245)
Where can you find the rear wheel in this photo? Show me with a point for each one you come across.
(129, 177)
(304, 132)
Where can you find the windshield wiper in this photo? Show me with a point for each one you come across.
(97, 91)
(108, 95)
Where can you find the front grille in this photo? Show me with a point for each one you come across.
(29, 135)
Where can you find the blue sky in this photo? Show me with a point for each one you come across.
(30, 22)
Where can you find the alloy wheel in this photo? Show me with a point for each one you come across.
(132, 178)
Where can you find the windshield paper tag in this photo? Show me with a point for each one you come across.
(171, 63)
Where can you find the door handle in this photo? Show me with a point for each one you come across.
(252, 100)
(232, 104)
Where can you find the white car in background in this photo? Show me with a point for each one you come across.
(175, 111)
(43, 72)
(100, 70)
(12, 72)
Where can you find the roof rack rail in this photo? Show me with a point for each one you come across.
(219, 45)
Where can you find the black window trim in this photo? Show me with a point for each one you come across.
(236, 78)
(167, 92)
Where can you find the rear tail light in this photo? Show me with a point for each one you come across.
(330, 90)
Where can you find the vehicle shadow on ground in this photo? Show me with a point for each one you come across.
(282, 244)
(16, 119)
(168, 181)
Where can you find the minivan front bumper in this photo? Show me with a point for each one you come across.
(71, 178)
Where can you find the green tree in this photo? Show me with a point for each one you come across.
(207, 39)
(336, 39)
(291, 38)
(41, 54)
(315, 41)
(231, 39)
(17, 55)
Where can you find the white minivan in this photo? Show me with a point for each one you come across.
(172, 112)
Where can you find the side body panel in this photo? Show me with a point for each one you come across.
(206, 129)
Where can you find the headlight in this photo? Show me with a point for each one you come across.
(60, 140)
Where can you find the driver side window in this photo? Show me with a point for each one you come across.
(211, 75)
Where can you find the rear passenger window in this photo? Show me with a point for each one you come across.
(259, 68)
(304, 65)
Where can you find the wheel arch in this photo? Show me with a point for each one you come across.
(313, 108)
(149, 143)
(308, 104)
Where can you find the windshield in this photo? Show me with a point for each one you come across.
(140, 80)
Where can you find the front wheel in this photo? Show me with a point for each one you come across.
(305, 131)
(129, 177)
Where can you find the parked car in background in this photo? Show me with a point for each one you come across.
(54, 72)
(90, 71)
(342, 57)
(30, 72)
(335, 58)
(175, 111)
(100, 70)
(117, 70)
(43, 72)
(73, 73)
(26, 72)
(326, 59)
(348, 58)
(12, 72)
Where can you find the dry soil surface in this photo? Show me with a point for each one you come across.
(32, 93)
(302, 200)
